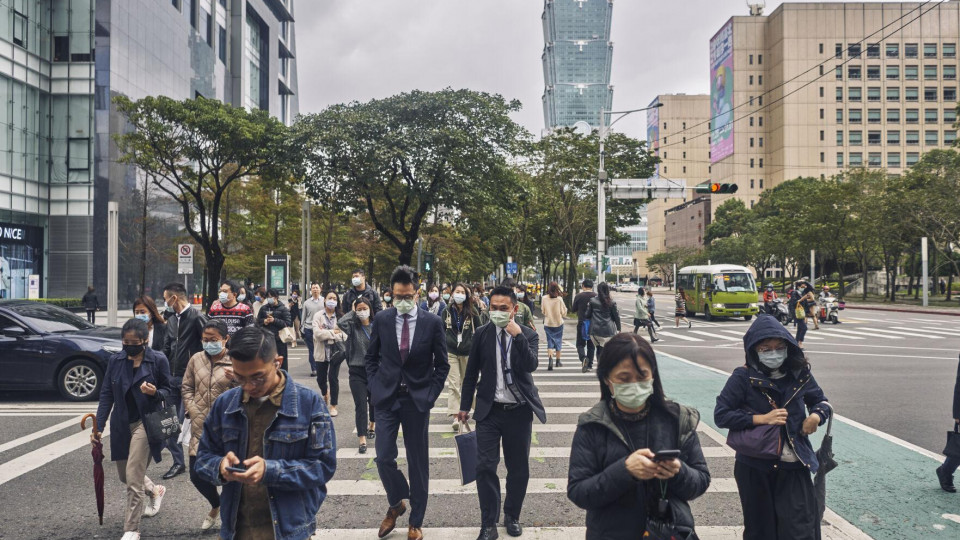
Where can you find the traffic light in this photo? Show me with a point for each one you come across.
(428, 262)
(715, 188)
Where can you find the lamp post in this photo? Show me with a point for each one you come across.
(601, 179)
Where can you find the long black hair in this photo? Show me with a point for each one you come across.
(603, 294)
(621, 347)
(467, 305)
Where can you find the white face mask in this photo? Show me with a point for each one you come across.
(241, 297)
(331, 304)
(521, 295)
(459, 298)
(364, 315)
(356, 281)
(434, 295)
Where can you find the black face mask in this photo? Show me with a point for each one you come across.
(133, 350)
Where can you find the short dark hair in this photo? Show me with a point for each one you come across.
(217, 325)
(138, 327)
(509, 282)
(176, 288)
(274, 293)
(628, 345)
(587, 284)
(404, 275)
(234, 288)
(359, 271)
(364, 301)
(250, 343)
(503, 290)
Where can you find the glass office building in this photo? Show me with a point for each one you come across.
(61, 63)
(577, 57)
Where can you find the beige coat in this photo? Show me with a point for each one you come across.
(324, 336)
(554, 310)
(203, 382)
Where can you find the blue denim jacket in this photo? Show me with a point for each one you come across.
(300, 453)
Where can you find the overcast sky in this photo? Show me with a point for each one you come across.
(362, 49)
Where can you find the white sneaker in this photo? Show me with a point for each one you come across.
(210, 522)
(150, 510)
(130, 535)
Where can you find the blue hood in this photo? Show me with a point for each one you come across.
(765, 327)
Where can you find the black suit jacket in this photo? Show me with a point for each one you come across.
(159, 336)
(425, 370)
(483, 363)
(184, 339)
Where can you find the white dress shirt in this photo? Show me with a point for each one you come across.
(503, 394)
(412, 322)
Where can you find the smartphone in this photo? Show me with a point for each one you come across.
(666, 455)
(241, 469)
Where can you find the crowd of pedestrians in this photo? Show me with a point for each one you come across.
(262, 446)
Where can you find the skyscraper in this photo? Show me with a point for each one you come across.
(59, 168)
(577, 56)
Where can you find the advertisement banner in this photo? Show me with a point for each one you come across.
(21, 259)
(721, 93)
(653, 132)
(277, 272)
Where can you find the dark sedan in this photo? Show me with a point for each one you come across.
(44, 347)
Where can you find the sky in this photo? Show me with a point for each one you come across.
(363, 49)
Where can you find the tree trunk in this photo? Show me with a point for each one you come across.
(949, 286)
(863, 274)
(143, 241)
(214, 260)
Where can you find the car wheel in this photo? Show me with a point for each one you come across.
(80, 380)
(706, 313)
(747, 317)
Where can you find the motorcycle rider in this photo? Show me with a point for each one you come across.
(825, 293)
(768, 297)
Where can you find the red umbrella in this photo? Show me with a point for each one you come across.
(97, 453)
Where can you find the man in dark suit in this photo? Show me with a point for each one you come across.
(406, 368)
(504, 355)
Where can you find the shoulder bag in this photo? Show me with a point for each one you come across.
(288, 336)
(162, 424)
(953, 442)
(764, 441)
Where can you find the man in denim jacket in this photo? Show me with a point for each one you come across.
(270, 443)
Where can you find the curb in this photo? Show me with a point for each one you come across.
(901, 310)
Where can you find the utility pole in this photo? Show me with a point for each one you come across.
(113, 259)
(926, 280)
(813, 269)
(305, 248)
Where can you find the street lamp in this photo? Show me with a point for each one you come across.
(601, 178)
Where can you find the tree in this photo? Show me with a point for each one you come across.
(402, 157)
(934, 184)
(193, 150)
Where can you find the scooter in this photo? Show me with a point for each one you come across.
(779, 309)
(829, 309)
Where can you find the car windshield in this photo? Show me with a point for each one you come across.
(734, 282)
(50, 318)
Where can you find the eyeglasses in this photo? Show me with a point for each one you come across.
(404, 297)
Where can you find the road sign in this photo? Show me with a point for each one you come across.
(648, 188)
(512, 268)
(185, 259)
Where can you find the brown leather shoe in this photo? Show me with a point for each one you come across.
(390, 522)
(414, 533)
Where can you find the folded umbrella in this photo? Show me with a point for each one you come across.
(827, 464)
(97, 453)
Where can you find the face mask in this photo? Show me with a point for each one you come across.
(257, 298)
(270, 301)
(633, 395)
(500, 318)
(133, 350)
(364, 315)
(213, 348)
(356, 281)
(521, 295)
(331, 304)
(386, 298)
(434, 296)
(773, 359)
(145, 317)
(241, 297)
(405, 306)
(446, 297)
(223, 297)
(459, 298)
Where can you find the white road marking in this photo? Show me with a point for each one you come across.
(912, 333)
(678, 336)
(39, 434)
(542, 452)
(714, 336)
(863, 334)
(930, 330)
(41, 456)
(453, 487)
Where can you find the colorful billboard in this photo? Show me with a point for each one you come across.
(721, 93)
(653, 131)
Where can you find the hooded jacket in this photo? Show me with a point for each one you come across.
(742, 396)
(598, 480)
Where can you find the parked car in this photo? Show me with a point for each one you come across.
(44, 347)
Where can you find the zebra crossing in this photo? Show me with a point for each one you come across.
(452, 511)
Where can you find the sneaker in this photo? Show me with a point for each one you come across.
(313, 374)
(333, 411)
(584, 367)
(210, 522)
(689, 324)
(152, 509)
(130, 535)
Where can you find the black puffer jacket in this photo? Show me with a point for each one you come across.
(604, 320)
(599, 482)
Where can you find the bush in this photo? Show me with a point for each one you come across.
(62, 302)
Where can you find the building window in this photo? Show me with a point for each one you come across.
(839, 94)
(194, 13)
(761, 162)
(930, 116)
(751, 183)
(913, 138)
(684, 140)
(855, 138)
(751, 121)
(760, 59)
(839, 137)
(949, 93)
(950, 72)
(949, 116)
(913, 116)
(873, 73)
(683, 125)
(751, 142)
(853, 72)
(893, 137)
(839, 73)
(929, 50)
(821, 69)
(873, 93)
(761, 183)
(873, 50)
(854, 50)
(821, 114)
(684, 155)
(855, 116)
(664, 126)
(875, 160)
(751, 163)
(949, 137)
(839, 116)
(931, 137)
(821, 135)
(839, 159)
(874, 138)
(684, 169)
(838, 51)
(821, 157)
(760, 100)
(821, 91)
(61, 48)
(760, 120)
(911, 93)
(930, 73)
(760, 142)
(893, 73)
(911, 73)
(910, 50)
(78, 154)
(206, 25)
(893, 116)
(855, 93)
(893, 50)
(930, 93)
(750, 59)
(821, 48)
(176, 4)
(949, 50)
(760, 79)
(19, 29)
(912, 158)
(856, 159)
(893, 160)
(874, 116)
(222, 43)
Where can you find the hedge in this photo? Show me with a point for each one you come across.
(61, 302)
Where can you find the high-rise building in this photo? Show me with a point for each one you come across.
(577, 55)
(814, 88)
(61, 63)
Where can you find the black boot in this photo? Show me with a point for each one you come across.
(550, 364)
(558, 362)
(946, 481)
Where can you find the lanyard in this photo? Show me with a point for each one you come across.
(365, 331)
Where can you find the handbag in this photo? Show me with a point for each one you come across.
(952, 449)
(339, 353)
(162, 424)
(288, 336)
(799, 312)
(761, 442)
(467, 453)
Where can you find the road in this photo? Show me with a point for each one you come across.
(869, 371)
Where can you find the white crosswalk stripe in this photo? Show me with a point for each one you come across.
(900, 333)
(677, 335)
(716, 336)
(929, 330)
(862, 333)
